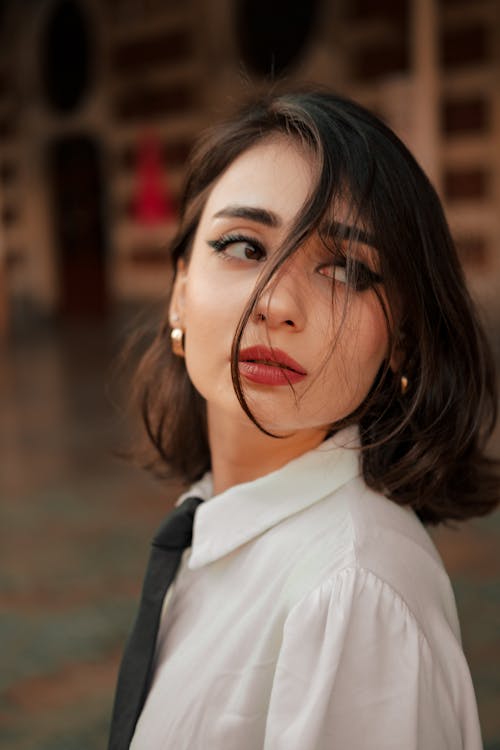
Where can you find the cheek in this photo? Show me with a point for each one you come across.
(202, 343)
(202, 326)
(213, 303)
(203, 301)
(211, 317)
(200, 307)
(372, 345)
(362, 344)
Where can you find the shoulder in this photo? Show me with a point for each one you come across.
(380, 550)
(372, 631)
(374, 668)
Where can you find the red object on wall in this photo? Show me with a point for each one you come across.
(153, 203)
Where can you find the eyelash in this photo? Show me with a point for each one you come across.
(361, 277)
(220, 245)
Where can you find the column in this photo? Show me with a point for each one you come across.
(424, 41)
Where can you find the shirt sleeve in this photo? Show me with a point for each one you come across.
(355, 672)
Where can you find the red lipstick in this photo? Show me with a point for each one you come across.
(266, 366)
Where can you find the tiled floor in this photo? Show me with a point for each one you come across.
(74, 525)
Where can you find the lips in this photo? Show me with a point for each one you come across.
(267, 366)
(274, 357)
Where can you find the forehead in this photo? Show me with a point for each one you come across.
(276, 175)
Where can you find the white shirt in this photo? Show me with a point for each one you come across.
(309, 613)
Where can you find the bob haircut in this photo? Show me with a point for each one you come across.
(423, 448)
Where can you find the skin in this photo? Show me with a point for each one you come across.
(299, 315)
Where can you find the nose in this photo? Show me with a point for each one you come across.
(284, 303)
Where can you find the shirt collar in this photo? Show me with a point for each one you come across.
(247, 510)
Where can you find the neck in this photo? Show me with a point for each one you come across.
(240, 452)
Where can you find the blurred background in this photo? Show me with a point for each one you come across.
(100, 102)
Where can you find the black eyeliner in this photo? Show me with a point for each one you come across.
(221, 243)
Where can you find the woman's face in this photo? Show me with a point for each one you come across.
(304, 335)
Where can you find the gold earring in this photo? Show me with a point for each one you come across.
(177, 341)
(403, 384)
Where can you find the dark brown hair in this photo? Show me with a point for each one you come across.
(424, 448)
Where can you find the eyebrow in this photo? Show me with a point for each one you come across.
(334, 229)
(339, 231)
(259, 215)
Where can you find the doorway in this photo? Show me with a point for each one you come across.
(75, 175)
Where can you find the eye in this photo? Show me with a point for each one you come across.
(334, 271)
(239, 247)
(360, 277)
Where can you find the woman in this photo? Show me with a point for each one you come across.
(329, 389)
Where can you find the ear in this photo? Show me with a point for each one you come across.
(176, 311)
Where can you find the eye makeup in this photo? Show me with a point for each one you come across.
(338, 268)
(227, 245)
(356, 274)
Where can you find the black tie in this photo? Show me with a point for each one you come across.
(173, 536)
